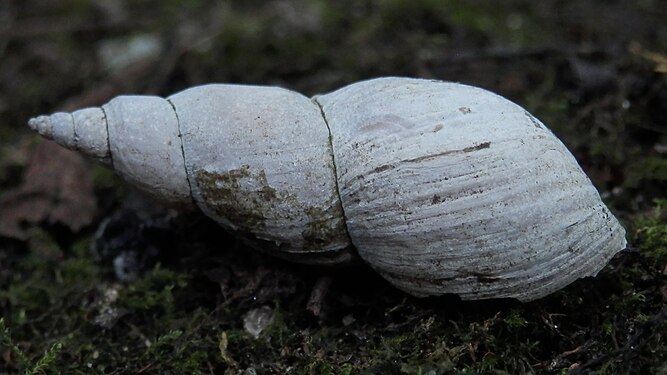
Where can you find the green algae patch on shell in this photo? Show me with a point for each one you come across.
(320, 229)
(242, 208)
(245, 202)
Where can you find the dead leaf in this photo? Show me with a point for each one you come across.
(57, 187)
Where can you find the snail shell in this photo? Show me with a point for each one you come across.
(440, 187)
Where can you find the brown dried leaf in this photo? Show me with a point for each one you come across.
(57, 187)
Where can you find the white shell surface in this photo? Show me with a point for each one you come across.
(146, 147)
(84, 130)
(260, 162)
(63, 129)
(449, 188)
(90, 128)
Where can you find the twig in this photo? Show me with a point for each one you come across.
(645, 329)
(318, 294)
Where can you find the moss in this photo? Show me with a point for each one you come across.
(652, 169)
(168, 323)
(43, 365)
(650, 232)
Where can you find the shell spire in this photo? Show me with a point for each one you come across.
(84, 130)
(138, 136)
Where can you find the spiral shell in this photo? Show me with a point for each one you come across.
(440, 187)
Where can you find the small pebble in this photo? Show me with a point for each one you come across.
(256, 320)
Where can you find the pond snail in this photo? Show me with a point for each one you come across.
(440, 187)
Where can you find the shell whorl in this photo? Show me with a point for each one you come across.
(440, 187)
(84, 130)
(449, 188)
(137, 135)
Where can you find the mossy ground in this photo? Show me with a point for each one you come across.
(594, 71)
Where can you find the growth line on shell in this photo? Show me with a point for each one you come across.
(335, 169)
(180, 138)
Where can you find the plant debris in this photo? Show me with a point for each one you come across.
(57, 188)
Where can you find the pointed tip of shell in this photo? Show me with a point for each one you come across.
(84, 130)
(42, 125)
